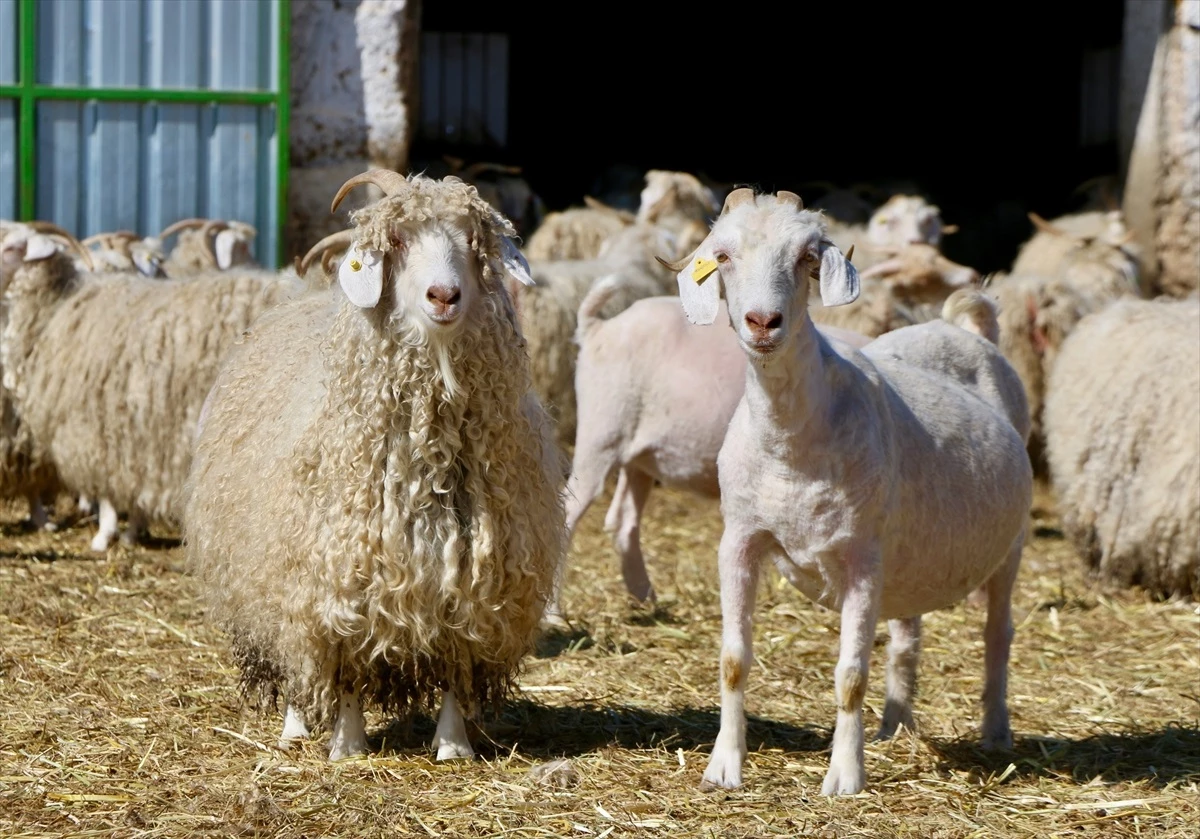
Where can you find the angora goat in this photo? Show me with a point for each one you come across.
(577, 232)
(109, 371)
(374, 510)
(1121, 433)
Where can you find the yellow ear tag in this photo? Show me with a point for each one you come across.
(703, 268)
(355, 265)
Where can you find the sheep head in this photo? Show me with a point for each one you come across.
(905, 219)
(762, 250)
(676, 195)
(429, 250)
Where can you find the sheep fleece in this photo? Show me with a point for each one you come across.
(359, 527)
(1124, 454)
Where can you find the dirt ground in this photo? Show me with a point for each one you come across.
(120, 715)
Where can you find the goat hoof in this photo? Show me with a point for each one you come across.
(843, 781)
(455, 751)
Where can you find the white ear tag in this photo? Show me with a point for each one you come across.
(39, 247)
(361, 276)
(514, 261)
(223, 246)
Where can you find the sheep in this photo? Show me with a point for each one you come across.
(1100, 238)
(112, 400)
(124, 250)
(22, 471)
(207, 244)
(641, 414)
(1039, 310)
(577, 232)
(857, 472)
(1124, 455)
(548, 310)
(402, 476)
(901, 220)
(672, 200)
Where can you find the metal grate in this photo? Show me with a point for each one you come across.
(464, 89)
(136, 113)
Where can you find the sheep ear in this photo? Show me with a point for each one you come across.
(839, 278)
(515, 262)
(361, 276)
(146, 264)
(699, 285)
(223, 246)
(39, 247)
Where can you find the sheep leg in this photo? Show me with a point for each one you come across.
(451, 739)
(588, 474)
(860, 612)
(997, 641)
(349, 730)
(85, 505)
(624, 520)
(294, 727)
(135, 528)
(904, 653)
(38, 517)
(108, 527)
(737, 564)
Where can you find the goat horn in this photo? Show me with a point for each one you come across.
(596, 204)
(387, 180)
(342, 237)
(674, 267)
(736, 198)
(327, 261)
(183, 224)
(1045, 226)
(207, 232)
(51, 227)
(949, 228)
(785, 195)
(850, 253)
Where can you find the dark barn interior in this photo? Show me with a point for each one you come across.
(992, 109)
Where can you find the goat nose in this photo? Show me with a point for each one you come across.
(760, 323)
(443, 294)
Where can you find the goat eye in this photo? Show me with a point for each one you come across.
(722, 258)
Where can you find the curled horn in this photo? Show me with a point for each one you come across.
(947, 229)
(1045, 226)
(207, 234)
(183, 224)
(52, 228)
(785, 195)
(342, 237)
(387, 180)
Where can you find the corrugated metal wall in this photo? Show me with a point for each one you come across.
(141, 166)
(464, 88)
(8, 110)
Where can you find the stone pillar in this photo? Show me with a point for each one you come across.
(354, 79)
(1178, 232)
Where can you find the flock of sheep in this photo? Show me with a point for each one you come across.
(366, 452)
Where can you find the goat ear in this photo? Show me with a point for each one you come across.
(514, 261)
(223, 247)
(146, 264)
(839, 278)
(699, 285)
(361, 276)
(39, 247)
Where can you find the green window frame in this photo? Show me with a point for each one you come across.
(27, 92)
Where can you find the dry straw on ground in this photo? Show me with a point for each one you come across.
(119, 714)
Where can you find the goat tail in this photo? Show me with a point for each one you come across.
(590, 307)
(973, 310)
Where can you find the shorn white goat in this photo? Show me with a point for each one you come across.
(886, 482)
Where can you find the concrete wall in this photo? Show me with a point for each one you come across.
(353, 105)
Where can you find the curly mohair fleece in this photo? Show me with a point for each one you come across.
(1121, 420)
(369, 514)
(109, 371)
